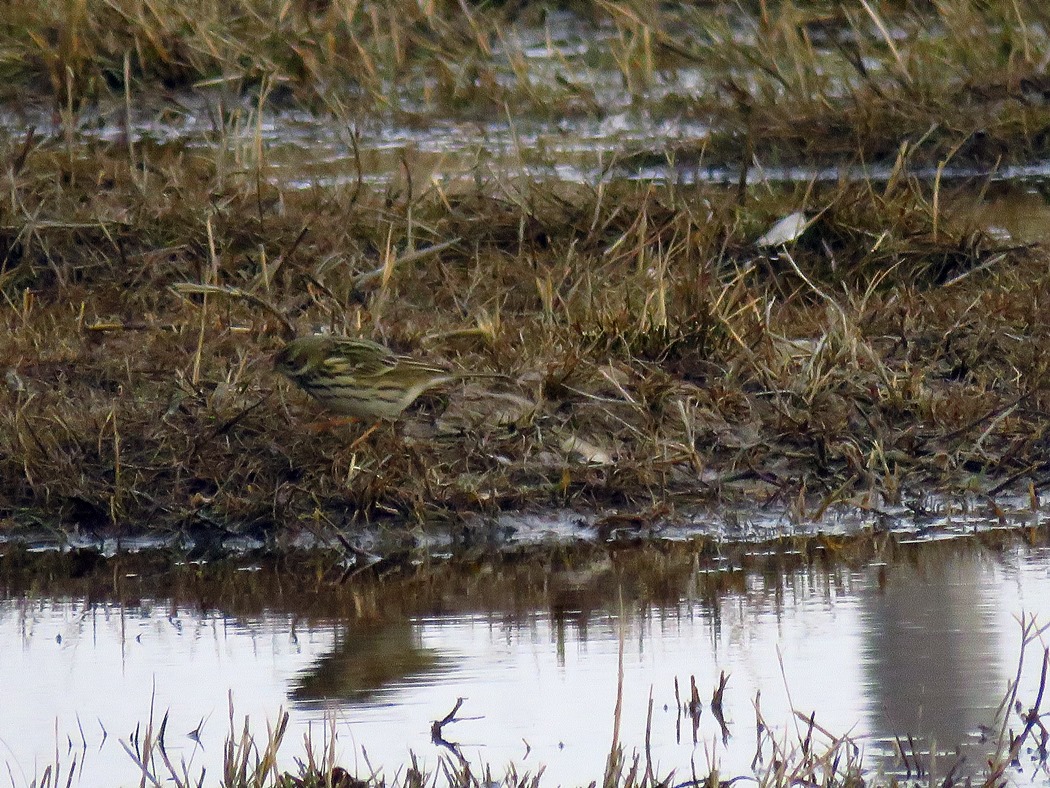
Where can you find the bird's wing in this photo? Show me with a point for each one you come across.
(362, 357)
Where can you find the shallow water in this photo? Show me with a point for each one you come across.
(412, 154)
(921, 643)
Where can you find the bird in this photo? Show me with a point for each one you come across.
(356, 377)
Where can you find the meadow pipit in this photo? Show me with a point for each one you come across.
(358, 377)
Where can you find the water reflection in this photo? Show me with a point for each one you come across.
(363, 662)
(919, 643)
(304, 151)
(932, 653)
(1011, 211)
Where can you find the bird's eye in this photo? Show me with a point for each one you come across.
(286, 362)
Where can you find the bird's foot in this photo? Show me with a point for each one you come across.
(364, 436)
(327, 425)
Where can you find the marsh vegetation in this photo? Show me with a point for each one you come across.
(728, 257)
(652, 355)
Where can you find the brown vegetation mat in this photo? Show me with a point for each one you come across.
(649, 354)
(661, 357)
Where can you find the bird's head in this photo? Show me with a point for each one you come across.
(302, 356)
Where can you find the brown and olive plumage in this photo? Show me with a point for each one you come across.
(357, 377)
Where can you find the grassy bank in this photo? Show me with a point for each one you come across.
(649, 355)
(662, 356)
(785, 80)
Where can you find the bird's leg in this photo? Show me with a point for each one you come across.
(326, 425)
(365, 435)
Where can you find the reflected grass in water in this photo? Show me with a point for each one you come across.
(586, 592)
(574, 578)
(811, 754)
